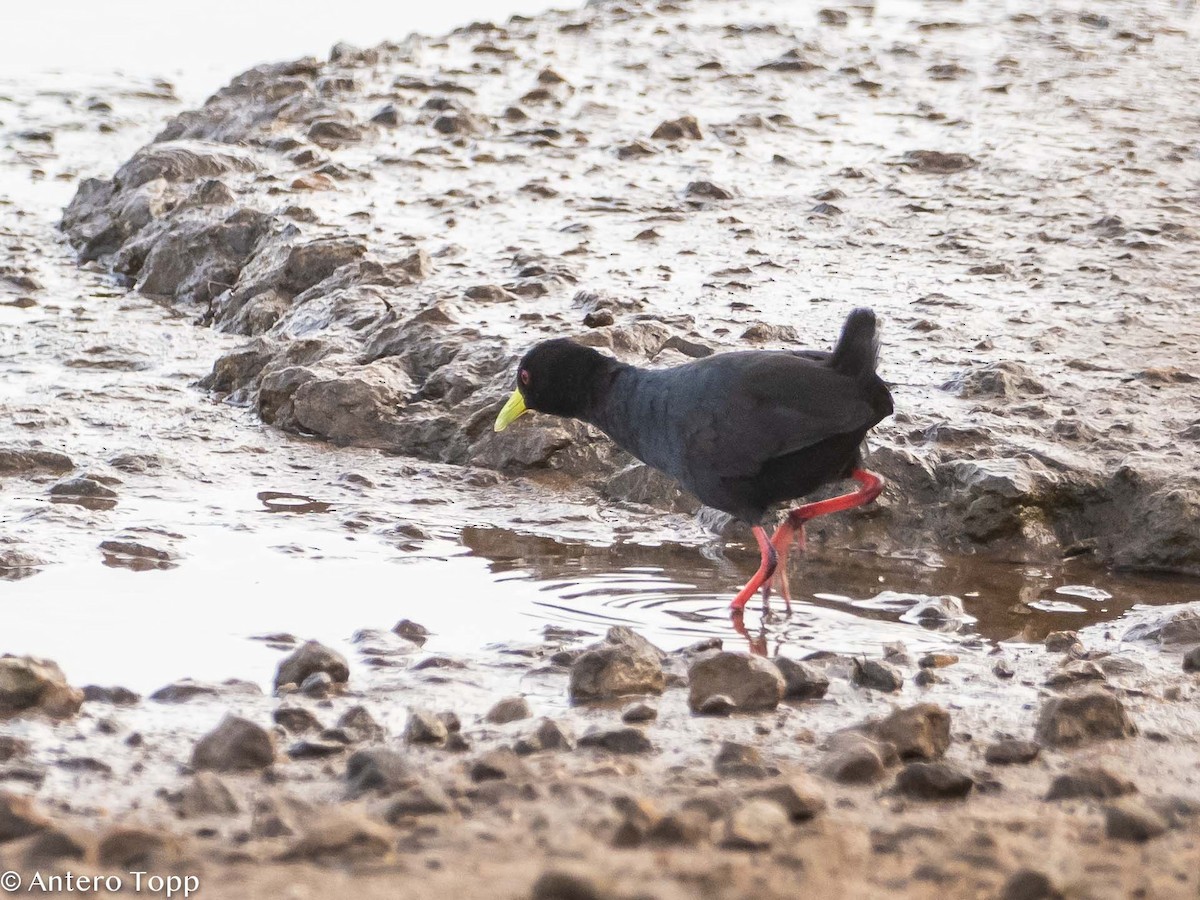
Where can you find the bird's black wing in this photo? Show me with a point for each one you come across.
(764, 405)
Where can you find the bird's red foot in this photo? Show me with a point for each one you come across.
(766, 569)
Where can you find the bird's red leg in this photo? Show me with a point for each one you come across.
(872, 487)
(765, 570)
(793, 524)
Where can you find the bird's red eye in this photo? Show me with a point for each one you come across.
(524, 376)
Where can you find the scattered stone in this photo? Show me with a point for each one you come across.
(32, 460)
(1060, 641)
(638, 713)
(411, 631)
(919, 732)
(1092, 716)
(802, 681)
(296, 719)
(31, 685)
(755, 825)
(377, 769)
(717, 705)
(311, 657)
(799, 796)
(1089, 783)
(933, 781)
(685, 828)
(878, 675)
(618, 740)
(560, 885)
(550, 735)
(624, 663)
(740, 761)
(18, 818)
(1075, 672)
(359, 725)
(683, 128)
(12, 747)
(128, 847)
(855, 762)
(935, 162)
(1030, 884)
(341, 836)
(510, 709)
(422, 799)
(424, 727)
(1132, 820)
(236, 744)
(315, 749)
(1012, 752)
(1191, 660)
(318, 685)
(117, 696)
(206, 795)
(751, 682)
(706, 192)
(937, 660)
(498, 764)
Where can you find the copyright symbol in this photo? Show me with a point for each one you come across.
(10, 882)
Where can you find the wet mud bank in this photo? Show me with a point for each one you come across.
(969, 699)
(390, 228)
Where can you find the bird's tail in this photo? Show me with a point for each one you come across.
(857, 350)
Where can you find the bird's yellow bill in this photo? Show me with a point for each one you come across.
(513, 410)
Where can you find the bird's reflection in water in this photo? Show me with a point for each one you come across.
(845, 598)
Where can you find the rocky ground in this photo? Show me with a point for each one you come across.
(374, 239)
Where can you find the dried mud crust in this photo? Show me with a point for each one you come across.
(1009, 188)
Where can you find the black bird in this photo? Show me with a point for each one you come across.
(742, 431)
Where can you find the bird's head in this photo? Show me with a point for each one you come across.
(557, 377)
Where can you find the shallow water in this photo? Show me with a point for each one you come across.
(266, 533)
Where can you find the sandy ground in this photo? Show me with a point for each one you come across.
(374, 240)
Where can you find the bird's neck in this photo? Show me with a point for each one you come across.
(610, 406)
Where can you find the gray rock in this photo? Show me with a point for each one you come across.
(12, 747)
(556, 884)
(1091, 716)
(751, 682)
(850, 761)
(740, 761)
(1090, 783)
(360, 725)
(32, 685)
(617, 740)
(684, 828)
(206, 795)
(236, 744)
(706, 192)
(19, 818)
(358, 408)
(377, 769)
(918, 732)
(1075, 672)
(683, 128)
(799, 796)
(624, 663)
(1030, 884)
(1191, 660)
(717, 705)
(802, 681)
(498, 764)
(755, 825)
(878, 675)
(339, 836)
(422, 799)
(424, 727)
(1132, 820)
(317, 685)
(933, 781)
(639, 713)
(510, 709)
(1060, 641)
(550, 735)
(310, 657)
(1012, 752)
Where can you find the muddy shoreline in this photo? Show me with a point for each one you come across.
(248, 391)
